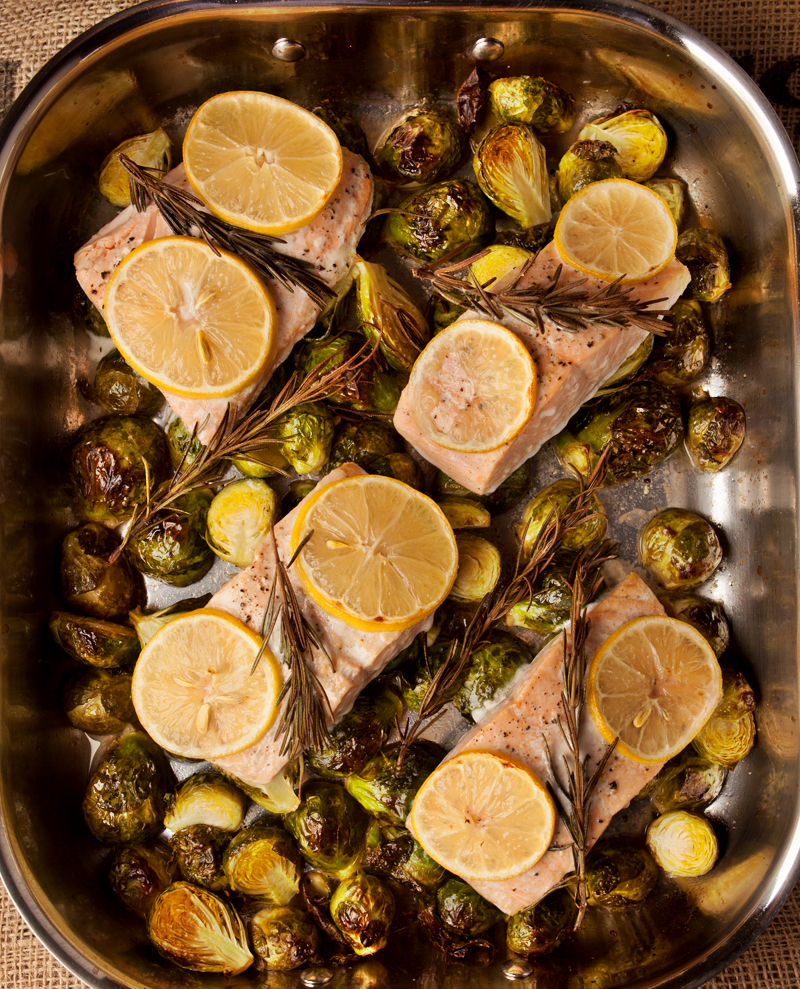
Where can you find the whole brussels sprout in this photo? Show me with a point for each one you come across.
(262, 862)
(206, 797)
(317, 891)
(418, 676)
(489, 672)
(359, 441)
(628, 368)
(240, 518)
(184, 448)
(118, 388)
(511, 168)
(586, 162)
(683, 844)
(618, 875)
(306, 434)
(638, 136)
(464, 911)
(138, 873)
(92, 585)
(642, 424)
(147, 625)
(465, 513)
(679, 548)
(540, 929)
(427, 144)
(283, 938)
(511, 492)
(173, 547)
(683, 354)
(363, 909)
(726, 741)
(198, 850)
(705, 255)
(688, 785)
(405, 468)
(535, 101)
(714, 432)
(738, 698)
(560, 497)
(549, 607)
(371, 391)
(387, 792)
(706, 616)
(479, 567)
(329, 827)
(99, 701)
(388, 316)
(198, 930)
(449, 218)
(344, 126)
(152, 151)
(107, 464)
(93, 641)
(393, 851)
(675, 194)
(124, 801)
(446, 487)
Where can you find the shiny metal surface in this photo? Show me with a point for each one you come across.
(155, 63)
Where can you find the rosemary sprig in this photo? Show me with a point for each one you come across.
(186, 215)
(570, 308)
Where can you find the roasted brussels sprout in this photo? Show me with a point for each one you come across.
(738, 698)
(683, 844)
(465, 513)
(464, 911)
(679, 548)
(535, 101)
(619, 874)
(198, 930)
(706, 257)
(138, 873)
(405, 468)
(118, 388)
(511, 492)
(387, 792)
(278, 796)
(150, 150)
(107, 463)
(363, 908)
(374, 390)
(173, 547)
(442, 313)
(388, 316)
(642, 424)
(240, 518)
(540, 929)
(266, 462)
(447, 218)
(147, 625)
(344, 126)
(638, 136)
(183, 446)
(706, 616)
(283, 938)
(198, 850)
(691, 783)
(714, 432)
(329, 827)
(675, 194)
(586, 162)
(92, 641)
(489, 672)
(628, 368)
(262, 862)
(549, 607)
(89, 582)
(99, 701)
(393, 851)
(206, 797)
(417, 677)
(427, 144)
(297, 490)
(559, 497)
(358, 736)
(511, 168)
(726, 741)
(306, 434)
(683, 354)
(479, 567)
(357, 441)
(124, 802)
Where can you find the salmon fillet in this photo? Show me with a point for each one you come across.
(356, 657)
(520, 724)
(570, 367)
(329, 241)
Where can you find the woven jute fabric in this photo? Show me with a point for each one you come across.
(764, 37)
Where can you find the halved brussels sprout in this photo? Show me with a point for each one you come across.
(706, 616)
(675, 194)
(266, 462)
(147, 625)
(714, 432)
(450, 218)
(586, 162)
(198, 930)
(279, 795)
(152, 151)
(92, 585)
(427, 144)
(559, 497)
(705, 255)
(372, 390)
(329, 827)
(406, 469)
(465, 513)
(619, 874)
(464, 911)
(198, 850)
(738, 698)
(363, 909)
(306, 434)
(542, 104)
(138, 873)
(628, 368)
(388, 316)
(683, 844)
(92, 641)
(691, 783)
(540, 929)
(99, 701)
(392, 850)
(418, 676)
(511, 168)
(344, 126)
(479, 566)
(240, 518)
(183, 449)
(207, 797)
(489, 672)
(173, 547)
(262, 862)
(638, 136)
(387, 792)
(726, 741)
(679, 548)
(683, 354)
(283, 938)
(549, 607)
(118, 388)
(360, 441)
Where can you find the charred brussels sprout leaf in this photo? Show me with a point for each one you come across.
(683, 354)
(283, 938)
(197, 930)
(387, 792)
(363, 908)
(586, 162)
(329, 827)
(174, 548)
(549, 607)
(465, 513)
(306, 434)
(535, 101)
(706, 257)
(199, 849)
(152, 151)
(99, 701)
(92, 585)
(560, 497)
(683, 844)
(464, 911)
(738, 698)
(358, 736)
(706, 616)
(262, 862)
(93, 641)
(691, 783)
(638, 136)
(479, 567)
(139, 873)
(675, 194)
(124, 802)
(491, 669)
(344, 126)
(118, 388)
(726, 741)
(147, 625)
(393, 851)
(426, 145)
(183, 446)
(448, 218)
(618, 875)
(388, 316)
(511, 168)
(317, 890)
(679, 548)
(714, 432)
(107, 462)
(240, 518)
(209, 798)
(540, 929)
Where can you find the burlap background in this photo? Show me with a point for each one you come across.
(764, 37)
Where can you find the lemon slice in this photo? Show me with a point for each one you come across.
(190, 321)
(616, 228)
(382, 555)
(473, 387)
(261, 162)
(193, 689)
(483, 816)
(654, 683)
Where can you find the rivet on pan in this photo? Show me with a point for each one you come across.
(517, 968)
(487, 49)
(316, 977)
(288, 50)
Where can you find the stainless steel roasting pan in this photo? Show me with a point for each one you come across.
(155, 63)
